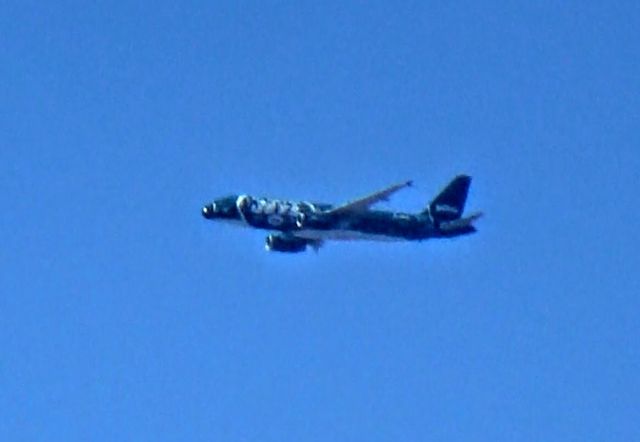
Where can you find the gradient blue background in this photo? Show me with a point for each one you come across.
(125, 316)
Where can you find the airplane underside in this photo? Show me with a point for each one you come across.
(345, 235)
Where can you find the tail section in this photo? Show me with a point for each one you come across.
(449, 204)
(461, 226)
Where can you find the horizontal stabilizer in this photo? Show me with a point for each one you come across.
(460, 224)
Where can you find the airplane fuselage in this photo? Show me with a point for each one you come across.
(307, 220)
(298, 224)
(370, 225)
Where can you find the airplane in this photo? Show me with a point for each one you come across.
(301, 224)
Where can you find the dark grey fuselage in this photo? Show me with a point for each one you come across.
(371, 225)
(314, 221)
(298, 224)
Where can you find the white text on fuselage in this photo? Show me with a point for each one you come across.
(276, 213)
(446, 208)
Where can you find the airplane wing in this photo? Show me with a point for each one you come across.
(364, 203)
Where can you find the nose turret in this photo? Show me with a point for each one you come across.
(222, 209)
(208, 211)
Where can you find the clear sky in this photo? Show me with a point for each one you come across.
(124, 315)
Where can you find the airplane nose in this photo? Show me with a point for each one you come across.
(207, 212)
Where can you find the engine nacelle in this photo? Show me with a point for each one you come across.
(277, 243)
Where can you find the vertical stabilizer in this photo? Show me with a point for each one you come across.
(449, 204)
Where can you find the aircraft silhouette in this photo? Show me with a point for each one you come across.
(299, 224)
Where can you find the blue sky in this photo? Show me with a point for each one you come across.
(126, 316)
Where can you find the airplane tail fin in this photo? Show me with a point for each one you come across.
(449, 204)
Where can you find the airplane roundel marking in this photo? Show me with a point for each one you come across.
(275, 220)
